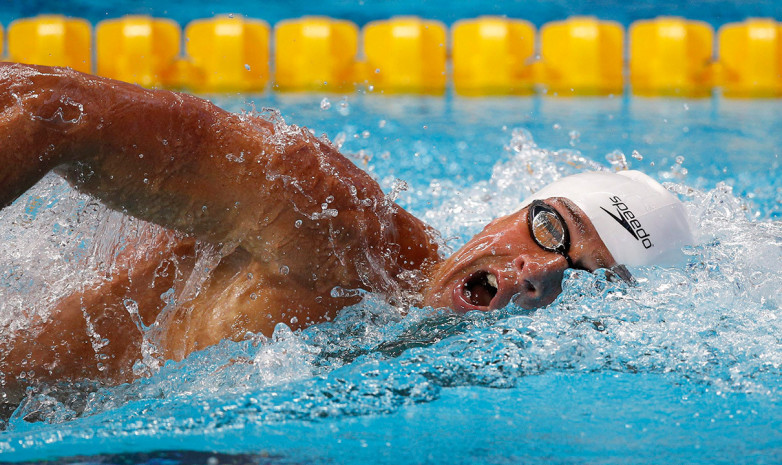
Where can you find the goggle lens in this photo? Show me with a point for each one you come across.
(548, 230)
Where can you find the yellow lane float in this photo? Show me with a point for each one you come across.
(51, 40)
(406, 54)
(314, 53)
(582, 55)
(670, 55)
(493, 55)
(750, 56)
(139, 49)
(227, 53)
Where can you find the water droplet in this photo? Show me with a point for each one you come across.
(247, 67)
(284, 270)
(365, 134)
(344, 107)
(141, 155)
(253, 296)
(325, 104)
(234, 158)
(637, 155)
(298, 223)
(294, 320)
(617, 160)
(575, 136)
(381, 123)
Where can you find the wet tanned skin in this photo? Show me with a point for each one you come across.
(294, 214)
(290, 217)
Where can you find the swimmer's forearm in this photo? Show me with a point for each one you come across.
(26, 121)
(156, 154)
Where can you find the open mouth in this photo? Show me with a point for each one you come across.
(480, 289)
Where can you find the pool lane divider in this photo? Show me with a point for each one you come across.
(487, 55)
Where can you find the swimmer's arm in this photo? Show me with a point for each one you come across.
(181, 162)
(169, 158)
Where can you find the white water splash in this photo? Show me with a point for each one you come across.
(713, 320)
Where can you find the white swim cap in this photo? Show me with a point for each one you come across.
(639, 221)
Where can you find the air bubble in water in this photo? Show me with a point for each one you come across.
(325, 104)
(298, 223)
(637, 155)
(284, 270)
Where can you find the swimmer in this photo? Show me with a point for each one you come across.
(293, 222)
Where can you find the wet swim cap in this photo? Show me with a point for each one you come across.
(639, 221)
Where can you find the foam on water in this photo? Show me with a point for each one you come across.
(713, 321)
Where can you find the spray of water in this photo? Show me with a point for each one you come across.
(712, 319)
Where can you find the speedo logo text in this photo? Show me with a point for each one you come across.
(627, 219)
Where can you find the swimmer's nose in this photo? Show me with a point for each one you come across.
(539, 282)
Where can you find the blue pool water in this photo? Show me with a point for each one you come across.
(684, 368)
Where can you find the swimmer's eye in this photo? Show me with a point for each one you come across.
(548, 229)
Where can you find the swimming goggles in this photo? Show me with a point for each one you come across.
(549, 230)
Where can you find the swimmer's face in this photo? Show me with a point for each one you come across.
(503, 263)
